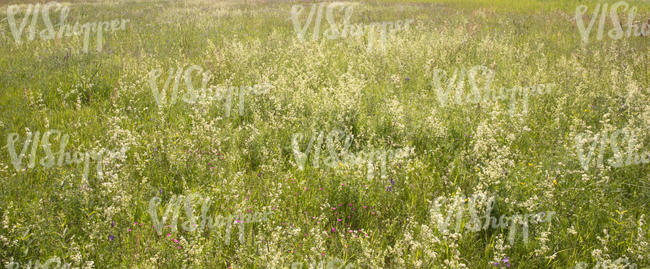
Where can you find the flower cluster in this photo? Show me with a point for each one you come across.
(505, 262)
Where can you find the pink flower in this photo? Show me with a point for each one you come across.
(365, 206)
(339, 219)
(333, 229)
(169, 234)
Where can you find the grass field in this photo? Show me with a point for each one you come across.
(390, 163)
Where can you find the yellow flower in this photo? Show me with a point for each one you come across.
(530, 164)
(554, 182)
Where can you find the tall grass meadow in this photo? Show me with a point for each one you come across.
(382, 175)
